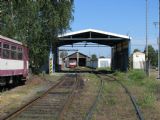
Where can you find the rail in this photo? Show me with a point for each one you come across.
(70, 98)
(93, 106)
(132, 98)
(51, 92)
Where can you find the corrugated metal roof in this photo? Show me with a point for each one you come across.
(96, 31)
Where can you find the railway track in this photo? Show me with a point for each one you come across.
(51, 105)
(68, 111)
(93, 106)
(133, 100)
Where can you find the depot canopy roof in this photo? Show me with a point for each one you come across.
(92, 35)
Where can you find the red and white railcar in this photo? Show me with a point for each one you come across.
(13, 61)
(72, 63)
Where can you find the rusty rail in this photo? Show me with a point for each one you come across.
(22, 109)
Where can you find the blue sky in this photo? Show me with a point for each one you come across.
(117, 16)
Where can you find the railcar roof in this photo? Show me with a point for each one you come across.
(11, 40)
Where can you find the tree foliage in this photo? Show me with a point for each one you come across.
(36, 23)
(136, 50)
(152, 55)
(63, 54)
(94, 57)
(101, 57)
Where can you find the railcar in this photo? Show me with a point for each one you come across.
(13, 61)
(72, 63)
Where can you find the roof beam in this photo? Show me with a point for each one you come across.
(85, 46)
(82, 39)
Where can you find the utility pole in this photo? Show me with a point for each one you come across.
(147, 60)
(159, 45)
(158, 23)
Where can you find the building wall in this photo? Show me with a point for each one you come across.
(79, 58)
(138, 60)
(104, 62)
(92, 64)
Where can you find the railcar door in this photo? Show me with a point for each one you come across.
(25, 60)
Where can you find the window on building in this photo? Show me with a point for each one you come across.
(20, 53)
(6, 52)
(13, 52)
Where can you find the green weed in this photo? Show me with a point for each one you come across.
(108, 90)
(147, 100)
(111, 100)
(104, 69)
(136, 75)
(138, 78)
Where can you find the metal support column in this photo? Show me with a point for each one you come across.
(77, 59)
(56, 59)
(129, 56)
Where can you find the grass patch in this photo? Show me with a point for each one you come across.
(111, 100)
(90, 76)
(114, 103)
(148, 100)
(138, 78)
(107, 93)
(136, 75)
(103, 69)
(145, 89)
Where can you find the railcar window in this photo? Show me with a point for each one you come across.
(0, 52)
(19, 49)
(6, 51)
(6, 46)
(0, 49)
(13, 47)
(13, 52)
(20, 54)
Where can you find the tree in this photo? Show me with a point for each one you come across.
(63, 54)
(101, 57)
(93, 57)
(36, 23)
(136, 50)
(152, 55)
